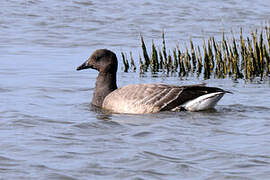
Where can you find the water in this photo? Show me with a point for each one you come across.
(49, 130)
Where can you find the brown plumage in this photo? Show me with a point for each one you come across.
(142, 98)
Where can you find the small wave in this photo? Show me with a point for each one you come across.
(60, 176)
(244, 108)
(84, 3)
(142, 134)
(3, 90)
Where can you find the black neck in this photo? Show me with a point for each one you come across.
(105, 84)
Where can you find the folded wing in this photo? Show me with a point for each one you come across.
(151, 98)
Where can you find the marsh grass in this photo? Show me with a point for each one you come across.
(242, 58)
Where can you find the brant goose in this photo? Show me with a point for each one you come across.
(145, 98)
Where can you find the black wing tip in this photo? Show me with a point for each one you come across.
(225, 91)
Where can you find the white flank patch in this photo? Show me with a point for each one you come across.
(204, 102)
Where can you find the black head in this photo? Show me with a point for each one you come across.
(102, 60)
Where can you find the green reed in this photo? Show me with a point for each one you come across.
(125, 62)
(132, 63)
(242, 58)
(145, 55)
(154, 59)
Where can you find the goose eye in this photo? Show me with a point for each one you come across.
(98, 58)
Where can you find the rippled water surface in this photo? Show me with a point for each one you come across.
(49, 130)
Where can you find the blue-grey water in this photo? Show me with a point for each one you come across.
(48, 129)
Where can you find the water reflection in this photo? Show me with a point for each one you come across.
(101, 114)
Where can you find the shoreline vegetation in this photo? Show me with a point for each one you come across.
(243, 58)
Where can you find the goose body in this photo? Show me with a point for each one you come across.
(145, 98)
(152, 98)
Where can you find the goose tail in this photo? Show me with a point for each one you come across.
(204, 102)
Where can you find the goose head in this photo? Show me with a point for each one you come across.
(102, 60)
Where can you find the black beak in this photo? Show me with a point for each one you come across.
(85, 65)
